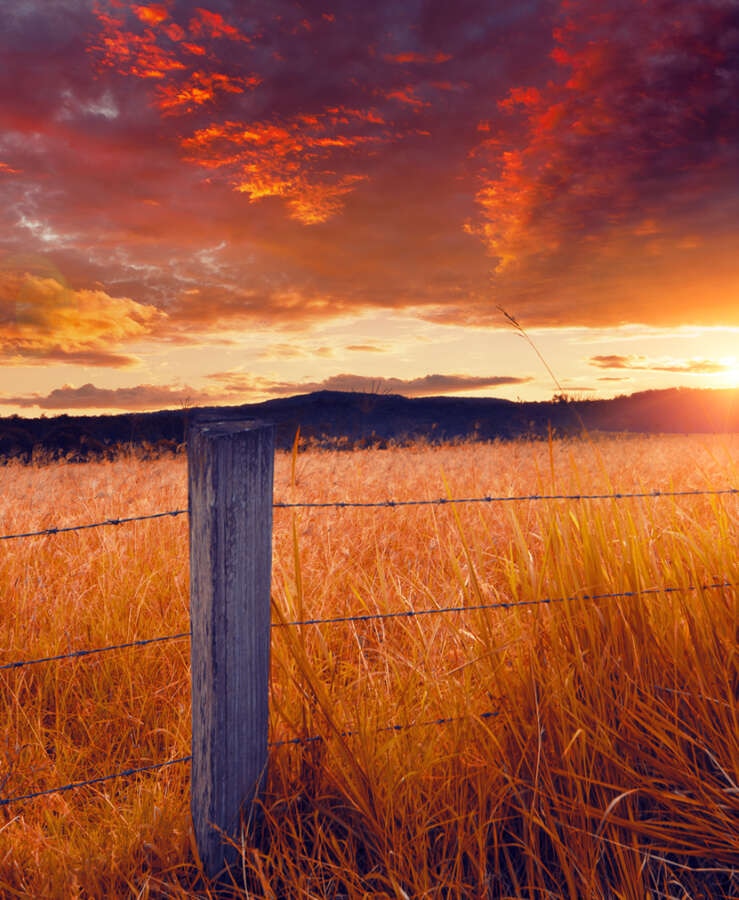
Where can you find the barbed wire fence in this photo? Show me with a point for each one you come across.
(130, 772)
(336, 620)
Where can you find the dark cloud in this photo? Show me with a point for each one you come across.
(426, 386)
(140, 398)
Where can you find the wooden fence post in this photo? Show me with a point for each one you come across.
(230, 474)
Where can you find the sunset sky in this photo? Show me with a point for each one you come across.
(224, 201)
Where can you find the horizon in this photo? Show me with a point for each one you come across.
(209, 204)
(554, 400)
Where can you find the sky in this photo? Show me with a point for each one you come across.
(225, 201)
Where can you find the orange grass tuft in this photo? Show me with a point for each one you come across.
(586, 748)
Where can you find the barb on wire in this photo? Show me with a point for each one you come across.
(404, 727)
(412, 613)
(126, 773)
(124, 521)
(76, 654)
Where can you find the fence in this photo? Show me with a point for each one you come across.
(230, 507)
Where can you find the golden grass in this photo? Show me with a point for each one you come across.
(589, 748)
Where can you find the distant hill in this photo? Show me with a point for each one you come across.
(337, 419)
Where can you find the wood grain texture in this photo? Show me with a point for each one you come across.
(230, 485)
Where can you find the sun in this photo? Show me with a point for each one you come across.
(730, 374)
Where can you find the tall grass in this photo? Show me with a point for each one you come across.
(574, 748)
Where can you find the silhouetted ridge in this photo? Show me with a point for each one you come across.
(346, 420)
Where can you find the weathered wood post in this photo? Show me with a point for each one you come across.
(230, 473)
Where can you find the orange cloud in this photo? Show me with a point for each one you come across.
(155, 52)
(202, 88)
(42, 320)
(291, 159)
(529, 97)
(643, 363)
(152, 15)
(366, 348)
(301, 159)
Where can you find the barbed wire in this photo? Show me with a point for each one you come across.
(76, 654)
(396, 728)
(443, 501)
(368, 617)
(390, 504)
(129, 773)
(297, 741)
(126, 773)
(512, 604)
(122, 521)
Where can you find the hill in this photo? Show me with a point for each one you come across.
(347, 420)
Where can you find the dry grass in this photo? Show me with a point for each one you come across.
(589, 748)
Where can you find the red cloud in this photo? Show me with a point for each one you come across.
(290, 159)
(212, 25)
(639, 125)
(130, 53)
(201, 88)
(413, 57)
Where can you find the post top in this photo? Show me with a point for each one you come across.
(223, 426)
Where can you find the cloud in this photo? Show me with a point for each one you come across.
(147, 132)
(426, 386)
(42, 319)
(271, 165)
(283, 351)
(239, 387)
(414, 57)
(144, 397)
(606, 190)
(366, 348)
(310, 157)
(651, 364)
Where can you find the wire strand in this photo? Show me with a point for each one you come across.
(126, 773)
(404, 727)
(76, 654)
(445, 501)
(67, 528)
(368, 617)
(389, 504)
(129, 773)
(412, 613)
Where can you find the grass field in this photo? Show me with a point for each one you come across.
(577, 748)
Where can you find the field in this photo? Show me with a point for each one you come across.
(583, 747)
